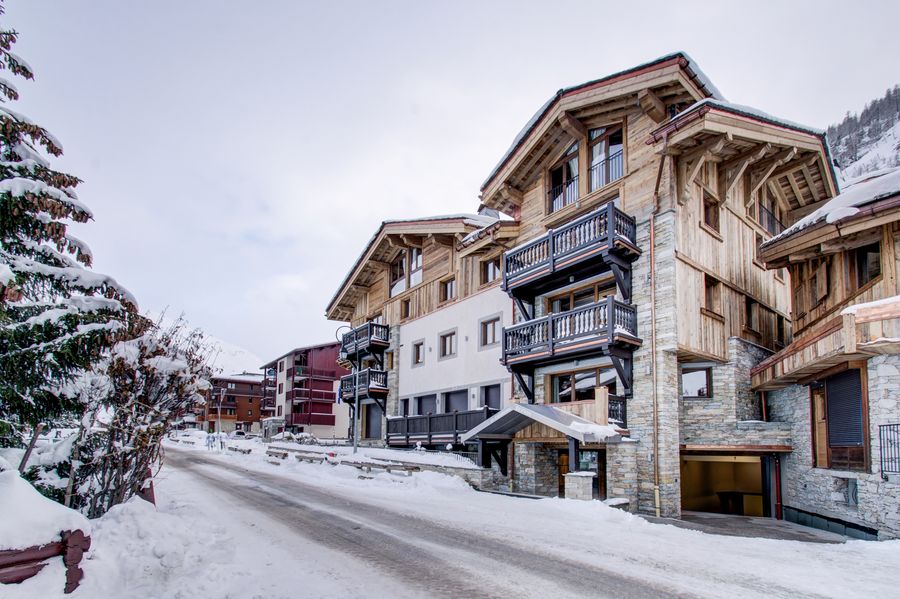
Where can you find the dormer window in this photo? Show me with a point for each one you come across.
(606, 156)
(406, 271)
(398, 274)
(564, 181)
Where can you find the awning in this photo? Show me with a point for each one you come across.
(514, 418)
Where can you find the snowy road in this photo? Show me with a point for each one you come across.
(415, 557)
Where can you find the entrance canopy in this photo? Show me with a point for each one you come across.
(514, 418)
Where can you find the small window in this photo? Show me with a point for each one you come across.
(231, 385)
(279, 410)
(418, 352)
(563, 181)
(448, 290)
(229, 398)
(696, 382)
(490, 332)
(405, 307)
(710, 212)
(751, 314)
(415, 266)
(398, 275)
(249, 412)
(404, 407)
(448, 345)
(281, 366)
(281, 387)
(490, 270)
(712, 294)
(867, 261)
(756, 249)
(389, 360)
(780, 330)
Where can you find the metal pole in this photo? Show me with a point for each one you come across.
(219, 418)
(356, 417)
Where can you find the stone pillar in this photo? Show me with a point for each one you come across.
(580, 485)
(622, 473)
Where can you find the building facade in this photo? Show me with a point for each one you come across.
(302, 386)
(837, 385)
(235, 402)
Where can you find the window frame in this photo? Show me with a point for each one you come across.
(688, 369)
(418, 345)
(493, 322)
(706, 198)
(597, 288)
(603, 138)
(597, 370)
(454, 336)
(712, 295)
(573, 152)
(821, 385)
(448, 284)
(489, 265)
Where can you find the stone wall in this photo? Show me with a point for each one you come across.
(621, 472)
(536, 469)
(824, 491)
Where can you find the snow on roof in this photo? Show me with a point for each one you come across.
(517, 416)
(880, 303)
(865, 190)
(701, 77)
(742, 109)
(31, 519)
(247, 377)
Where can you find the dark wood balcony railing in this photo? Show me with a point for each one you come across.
(300, 419)
(606, 171)
(435, 428)
(307, 372)
(571, 243)
(564, 194)
(365, 338)
(580, 329)
(618, 410)
(372, 383)
(301, 394)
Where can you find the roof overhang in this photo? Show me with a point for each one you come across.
(516, 417)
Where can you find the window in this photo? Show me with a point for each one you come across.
(231, 385)
(606, 156)
(415, 266)
(838, 421)
(710, 212)
(281, 366)
(456, 401)
(490, 270)
(405, 307)
(398, 275)
(448, 344)
(758, 242)
(696, 381)
(780, 330)
(580, 385)
(751, 314)
(767, 213)
(377, 318)
(404, 407)
(279, 411)
(229, 398)
(249, 412)
(490, 332)
(418, 353)
(426, 404)
(249, 400)
(867, 263)
(280, 387)
(563, 181)
(580, 297)
(389, 360)
(490, 396)
(712, 297)
(448, 290)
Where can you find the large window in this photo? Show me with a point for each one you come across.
(583, 296)
(415, 266)
(406, 271)
(696, 381)
(766, 212)
(490, 270)
(838, 421)
(456, 401)
(580, 385)
(398, 274)
(866, 261)
(563, 181)
(606, 156)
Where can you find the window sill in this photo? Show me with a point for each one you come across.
(711, 231)
(713, 315)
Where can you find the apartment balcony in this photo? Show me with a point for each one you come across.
(607, 235)
(372, 383)
(435, 428)
(305, 372)
(365, 340)
(307, 419)
(567, 335)
(301, 394)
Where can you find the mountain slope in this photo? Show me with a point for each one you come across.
(869, 141)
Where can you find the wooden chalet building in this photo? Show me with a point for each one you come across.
(426, 311)
(640, 301)
(837, 384)
(237, 399)
(302, 386)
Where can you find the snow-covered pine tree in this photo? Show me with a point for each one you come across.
(56, 316)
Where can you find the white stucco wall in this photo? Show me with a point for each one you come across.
(472, 368)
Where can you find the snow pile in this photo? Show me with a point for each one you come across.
(31, 519)
(874, 187)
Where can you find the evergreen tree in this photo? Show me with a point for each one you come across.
(56, 315)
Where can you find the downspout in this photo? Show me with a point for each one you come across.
(656, 500)
(777, 460)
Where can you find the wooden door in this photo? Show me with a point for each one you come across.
(820, 427)
(563, 463)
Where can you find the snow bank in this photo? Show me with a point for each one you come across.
(29, 518)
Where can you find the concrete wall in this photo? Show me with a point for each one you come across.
(471, 368)
(823, 491)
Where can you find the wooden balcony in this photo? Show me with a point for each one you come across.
(302, 394)
(865, 331)
(372, 383)
(589, 409)
(435, 428)
(555, 337)
(606, 234)
(305, 372)
(309, 419)
(367, 339)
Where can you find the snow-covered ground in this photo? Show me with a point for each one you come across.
(230, 525)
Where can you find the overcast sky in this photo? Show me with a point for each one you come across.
(237, 155)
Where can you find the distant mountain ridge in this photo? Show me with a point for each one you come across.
(870, 140)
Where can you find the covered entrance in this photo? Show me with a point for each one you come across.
(726, 484)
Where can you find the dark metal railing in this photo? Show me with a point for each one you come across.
(302, 393)
(363, 336)
(589, 230)
(370, 381)
(618, 410)
(769, 221)
(607, 171)
(889, 440)
(427, 426)
(306, 371)
(603, 319)
(564, 194)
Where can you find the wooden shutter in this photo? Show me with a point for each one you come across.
(820, 428)
(845, 413)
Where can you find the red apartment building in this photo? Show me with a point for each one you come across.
(238, 400)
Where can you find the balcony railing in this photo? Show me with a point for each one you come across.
(889, 440)
(372, 383)
(564, 194)
(769, 221)
(301, 394)
(575, 241)
(606, 171)
(618, 410)
(298, 419)
(301, 372)
(435, 428)
(581, 329)
(364, 337)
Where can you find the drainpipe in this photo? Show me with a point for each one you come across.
(656, 498)
(778, 515)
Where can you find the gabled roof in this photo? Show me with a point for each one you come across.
(690, 67)
(514, 418)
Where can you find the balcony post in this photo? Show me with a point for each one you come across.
(406, 427)
(428, 427)
(455, 427)
(610, 317)
(601, 405)
(610, 225)
(551, 250)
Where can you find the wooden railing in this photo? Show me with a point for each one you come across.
(555, 246)
(370, 381)
(363, 336)
(308, 419)
(427, 427)
(606, 171)
(303, 394)
(17, 565)
(306, 372)
(617, 409)
(552, 333)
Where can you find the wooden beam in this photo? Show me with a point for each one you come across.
(572, 126)
(779, 195)
(652, 105)
(695, 170)
(792, 168)
(796, 188)
(809, 182)
(741, 163)
(777, 161)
